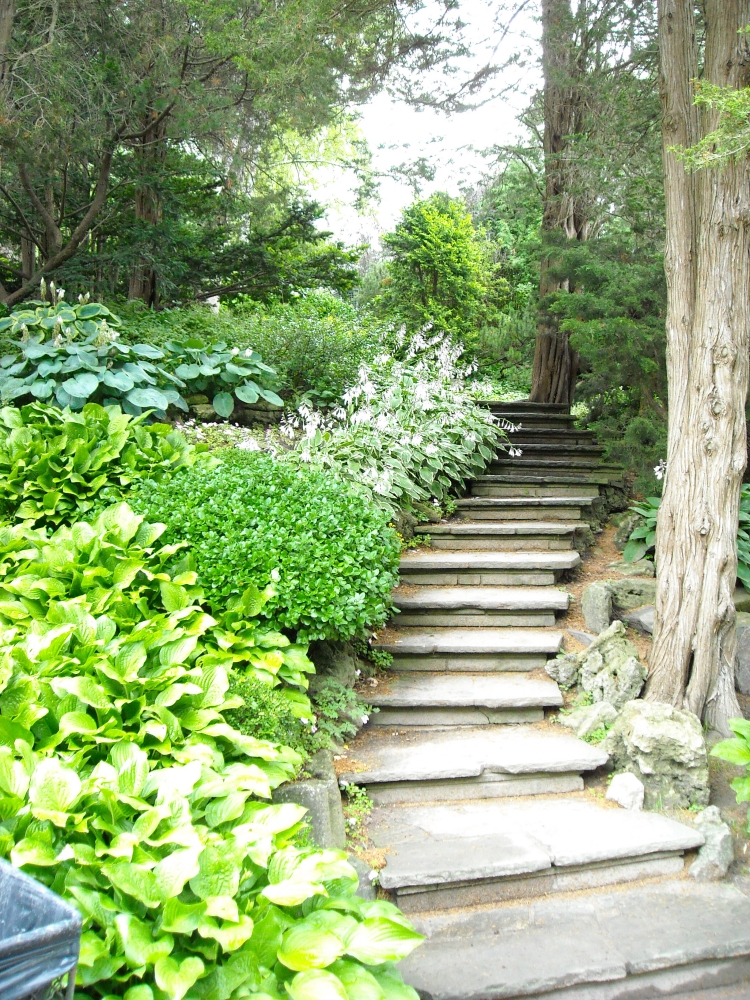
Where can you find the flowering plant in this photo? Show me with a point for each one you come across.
(409, 430)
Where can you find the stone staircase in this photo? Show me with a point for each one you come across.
(524, 883)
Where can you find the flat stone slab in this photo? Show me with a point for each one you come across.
(454, 690)
(569, 832)
(468, 753)
(445, 559)
(501, 528)
(513, 502)
(423, 642)
(488, 598)
(605, 939)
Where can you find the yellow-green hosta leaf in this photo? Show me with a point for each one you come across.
(218, 874)
(36, 852)
(358, 982)
(175, 978)
(85, 689)
(131, 764)
(140, 992)
(174, 597)
(317, 984)
(171, 873)
(138, 943)
(231, 807)
(53, 790)
(14, 778)
(378, 940)
(390, 981)
(224, 907)
(92, 948)
(291, 892)
(309, 946)
(182, 918)
(230, 935)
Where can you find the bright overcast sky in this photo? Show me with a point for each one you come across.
(398, 133)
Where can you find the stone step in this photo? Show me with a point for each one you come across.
(480, 488)
(478, 606)
(524, 406)
(585, 477)
(458, 764)
(505, 464)
(464, 649)
(524, 508)
(631, 943)
(436, 567)
(528, 435)
(455, 854)
(502, 536)
(453, 699)
(561, 450)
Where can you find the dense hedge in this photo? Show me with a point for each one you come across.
(335, 555)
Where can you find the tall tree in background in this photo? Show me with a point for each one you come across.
(708, 342)
(565, 212)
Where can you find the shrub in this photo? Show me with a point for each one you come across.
(266, 714)
(411, 432)
(56, 464)
(252, 516)
(123, 787)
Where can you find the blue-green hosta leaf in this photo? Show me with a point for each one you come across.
(634, 551)
(223, 403)
(175, 978)
(271, 397)
(42, 389)
(119, 380)
(138, 944)
(188, 372)
(248, 392)
(378, 940)
(82, 385)
(147, 351)
(316, 984)
(53, 791)
(149, 398)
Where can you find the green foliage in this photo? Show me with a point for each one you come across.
(441, 270)
(266, 714)
(56, 464)
(339, 711)
(254, 518)
(731, 137)
(102, 369)
(737, 751)
(316, 343)
(411, 432)
(88, 319)
(123, 787)
(357, 807)
(643, 537)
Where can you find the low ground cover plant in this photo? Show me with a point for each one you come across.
(410, 434)
(254, 518)
(55, 465)
(125, 789)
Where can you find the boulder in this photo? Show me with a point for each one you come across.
(335, 659)
(632, 593)
(741, 599)
(596, 604)
(641, 620)
(585, 637)
(641, 567)
(564, 670)
(717, 854)
(742, 675)
(585, 721)
(610, 668)
(321, 796)
(627, 791)
(665, 749)
(626, 524)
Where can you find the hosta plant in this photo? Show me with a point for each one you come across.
(124, 789)
(737, 751)
(410, 432)
(223, 373)
(642, 539)
(56, 464)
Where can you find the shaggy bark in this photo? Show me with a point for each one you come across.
(151, 153)
(555, 363)
(708, 340)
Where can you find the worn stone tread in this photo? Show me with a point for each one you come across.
(467, 753)
(569, 832)
(501, 528)
(488, 598)
(456, 690)
(422, 642)
(478, 503)
(476, 560)
(600, 942)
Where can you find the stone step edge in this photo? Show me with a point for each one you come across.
(519, 502)
(548, 642)
(503, 528)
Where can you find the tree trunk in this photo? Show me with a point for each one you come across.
(708, 340)
(555, 363)
(151, 154)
